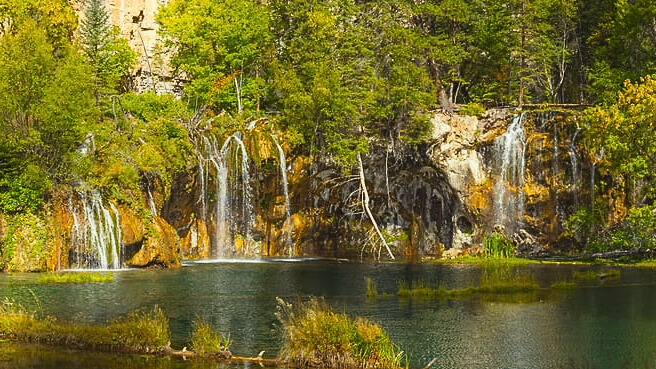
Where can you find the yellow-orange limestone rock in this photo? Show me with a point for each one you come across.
(159, 249)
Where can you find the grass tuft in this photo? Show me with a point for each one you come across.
(491, 284)
(496, 245)
(138, 332)
(564, 285)
(316, 336)
(77, 277)
(372, 291)
(208, 342)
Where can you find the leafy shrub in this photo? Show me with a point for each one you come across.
(23, 191)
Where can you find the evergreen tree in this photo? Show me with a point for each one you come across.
(109, 53)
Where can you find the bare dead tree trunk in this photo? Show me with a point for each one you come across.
(365, 205)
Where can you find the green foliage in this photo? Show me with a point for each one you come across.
(24, 191)
(472, 109)
(582, 225)
(146, 139)
(619, 140)
(623, 45)
(24, 246)
(44, 96)
(221, 46)
(206, 341)
(497, 245)
(56, 17)
(313, 334)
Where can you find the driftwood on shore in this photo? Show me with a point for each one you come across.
(224, 356)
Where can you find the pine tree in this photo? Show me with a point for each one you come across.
(95, 30)
(109, 53)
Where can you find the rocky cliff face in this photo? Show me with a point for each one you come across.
(520, 174)
(136, 22)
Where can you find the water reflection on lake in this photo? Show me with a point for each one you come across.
(607, 324)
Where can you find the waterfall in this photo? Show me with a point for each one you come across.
(227, 199)
(96, 235)
(600, 156)
(151, 201)
(554, 161)
(78, 239)
(509, 150)
(573, 159)
(285, 188)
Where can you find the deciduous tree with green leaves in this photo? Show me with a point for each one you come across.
(221, 48)
(44, 97)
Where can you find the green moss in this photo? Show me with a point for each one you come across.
(24, 245)
(76, 278)
(139, 331)
(315, 335)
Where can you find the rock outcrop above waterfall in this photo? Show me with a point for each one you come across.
(552, 176)
(136, 22)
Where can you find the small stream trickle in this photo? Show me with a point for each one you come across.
(285, 187)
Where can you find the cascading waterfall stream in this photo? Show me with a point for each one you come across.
(600, 156)
(226, 227)
(151, 201)
(509, 151)
(285, 187)
(574, 161)
(96, 235)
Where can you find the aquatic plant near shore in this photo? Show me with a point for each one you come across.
(138, 332)
(208, 342)
(488, 286)
(497, 245)
(316, 336)
(372, 291)
(65, 278)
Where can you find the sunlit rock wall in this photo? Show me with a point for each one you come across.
(136, 22)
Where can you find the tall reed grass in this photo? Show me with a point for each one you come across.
(206, 341)
(138, 331)
(497, 245)
(316, 336)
